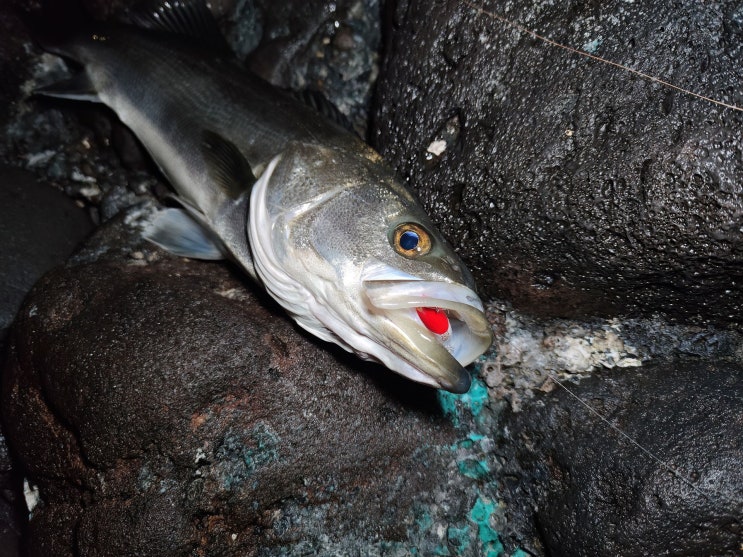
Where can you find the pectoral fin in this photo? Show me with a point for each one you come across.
(178, 232)
(77, 88)
(228, 168)
(323, 106)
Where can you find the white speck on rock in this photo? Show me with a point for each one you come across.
(78, 176)
(200, 457)
(592, 46)
(31, 495)
(233, 293)
(139, 217)
(38, 159)
(91, 192)
(437, 147)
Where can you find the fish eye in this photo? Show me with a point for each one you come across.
(411, 240)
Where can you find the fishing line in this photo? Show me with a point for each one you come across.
(707, 493)
(579, 52)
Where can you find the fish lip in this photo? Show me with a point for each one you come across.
(397, 295)
(459, 387)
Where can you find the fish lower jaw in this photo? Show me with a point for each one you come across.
(456, 380)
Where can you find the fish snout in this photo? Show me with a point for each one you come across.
(440, 325)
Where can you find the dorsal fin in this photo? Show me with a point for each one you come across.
(322, 105)
(228, 168)
(188, 18)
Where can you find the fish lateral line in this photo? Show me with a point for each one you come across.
(709, 494)
(648, 77)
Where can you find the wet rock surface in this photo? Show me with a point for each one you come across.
(173, 412)
(162, 409)
(570, 187)
(592, 491)
(330, 47)
(12, 507)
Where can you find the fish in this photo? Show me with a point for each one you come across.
(300, 203)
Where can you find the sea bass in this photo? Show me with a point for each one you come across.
(304, 206)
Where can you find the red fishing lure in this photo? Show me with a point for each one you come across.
(435, 319)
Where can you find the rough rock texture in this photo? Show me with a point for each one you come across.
(331, 47)
(13, 60)
(39, 227)
(12, 508)
(161, 409)
(571, 187)
(576, 487)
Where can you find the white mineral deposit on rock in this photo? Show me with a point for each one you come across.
(31, 496)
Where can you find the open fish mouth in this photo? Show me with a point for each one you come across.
(442, 325)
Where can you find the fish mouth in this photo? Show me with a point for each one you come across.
(441, 326)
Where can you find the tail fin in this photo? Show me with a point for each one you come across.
(55, 23)
(54, 28)
(77, 88)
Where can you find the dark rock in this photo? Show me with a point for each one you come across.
(14, 65)
(595, 492)
(40, 228)
(12, 507)
(320, 45)
(571, 187)
(162, 409)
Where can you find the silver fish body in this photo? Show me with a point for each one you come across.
(304, 206)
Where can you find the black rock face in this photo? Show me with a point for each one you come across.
(572, 187)
(14, 65)
(595, 492)
(163, 407)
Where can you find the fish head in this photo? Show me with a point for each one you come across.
(352, 255)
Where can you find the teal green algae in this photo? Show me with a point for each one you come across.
(481, 515)
(469, 530)
(475, 469)
(240, 454)
(471, 460)
(472, 402)
(458, 538)
(473, 535)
